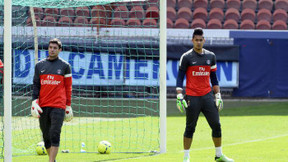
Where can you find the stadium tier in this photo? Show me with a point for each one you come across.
(210, 14)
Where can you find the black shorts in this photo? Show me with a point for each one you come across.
(206, 105)
(51, 121)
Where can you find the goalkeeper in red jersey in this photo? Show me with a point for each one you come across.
(199, 66)
(52, 88)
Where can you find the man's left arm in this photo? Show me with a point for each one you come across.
(68, 90)
(215, 85)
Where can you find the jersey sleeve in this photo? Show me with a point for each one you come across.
(213, 64)
(36, 83)
(68, 84)
(183, 63)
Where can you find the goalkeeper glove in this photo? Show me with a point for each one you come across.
(181, 103)
(219, 101)
(68, 114)
(36, 109)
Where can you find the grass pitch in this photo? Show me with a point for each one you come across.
(252, 132)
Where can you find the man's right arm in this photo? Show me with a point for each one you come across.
(36, 84)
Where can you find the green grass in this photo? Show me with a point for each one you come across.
(252, 132)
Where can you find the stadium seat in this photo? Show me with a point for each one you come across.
(152, 12)
(100, 11)
(267, 4)
(233, 4)
(280, 14)
(81, 21)
(249, 4)
(117, 22)
(49, 21)
(171, 3)
(152, 3)
(29, 21)
(181, 23)
(65, 21)
(263, 25)
(121, 12)
(184, 3)
(200, 3)
(230, 24)
(281, 4)
(149, 23)
(247, 24)
(171, 13)
(232, 13)
(217, 4)
(214, 24)
(216, 13)
(169, 23)
(137, 12)
(82, 11)
(198, 23)
(39, 12)
(69, 12)
(264, 14)
(54, 12)
(101, 22)
(200, 13)
(133, 23)
(279, 25)
(249, 14)
(185, 13)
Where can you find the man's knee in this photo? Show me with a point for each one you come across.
(189, 132)
(216, 130)
(55, 138)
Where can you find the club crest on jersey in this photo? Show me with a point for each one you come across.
(208, 62)
(59, 71)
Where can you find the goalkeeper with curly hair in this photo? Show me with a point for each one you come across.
(52, 88)
(199, 66)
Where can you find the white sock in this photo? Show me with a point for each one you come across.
(218, 151)
(186, 153)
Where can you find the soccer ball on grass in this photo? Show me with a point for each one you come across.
(40, 149)
(104, 147)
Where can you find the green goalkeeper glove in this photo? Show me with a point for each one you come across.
(181, 103)
(218, 101)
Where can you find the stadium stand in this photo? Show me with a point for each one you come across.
(171, 3)
(267, 4)
(81, 21)
(149, 23)
(232, 13)
(137, 12)
(184, 3)
(247, 25)
(279, 25)
(233, 4)
(171, 13)
(198, 23)
(217, 4)
(264, 14)
(200, 13)
(185, 13)
(49, 21)
(200, 3)
(281, 4)
(249, 4)
(197, 13)
(216, 13)
(280, 14)
(181, 23)
(230, 24)
(116, 22)
(263, 25)
(65, 21)
(248, 14)
(214, 24)
(169, 23)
